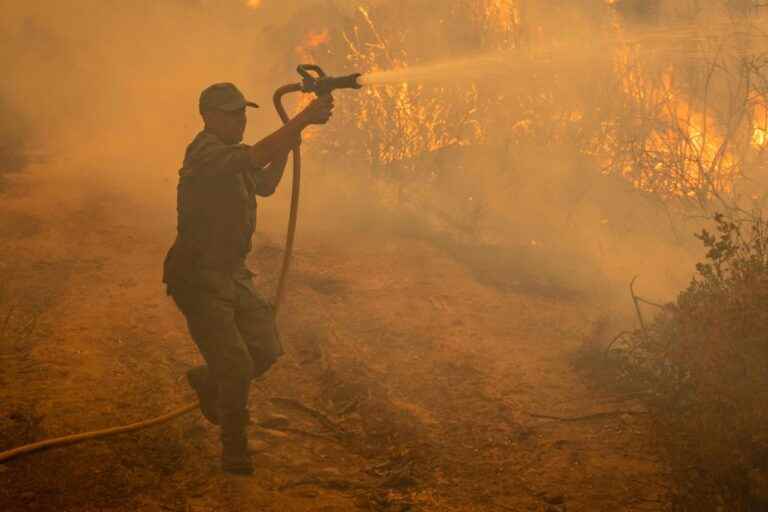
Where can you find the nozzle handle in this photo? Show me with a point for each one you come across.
(304, 69)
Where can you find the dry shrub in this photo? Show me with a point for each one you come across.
(702, 365)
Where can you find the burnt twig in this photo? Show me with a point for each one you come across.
(645, 301)
(614, 340)
(594, 416)
(320, 417)
(637, 305)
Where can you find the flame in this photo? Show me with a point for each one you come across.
(685, 152)
(312, 39)
(760, 124)
(760, 137)
(504, 14)
(315, 39)
(398, 122)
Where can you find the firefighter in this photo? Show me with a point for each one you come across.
(204, 270)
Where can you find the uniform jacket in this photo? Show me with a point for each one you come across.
(216, 215)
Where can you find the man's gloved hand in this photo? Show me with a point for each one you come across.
(319, 111)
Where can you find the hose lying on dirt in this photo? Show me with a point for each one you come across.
(77, 438)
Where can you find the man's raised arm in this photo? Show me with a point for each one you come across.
(276, 145)
(268, 178)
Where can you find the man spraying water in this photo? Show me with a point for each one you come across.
(205, 271)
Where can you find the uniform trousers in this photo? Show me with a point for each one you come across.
(236, 334)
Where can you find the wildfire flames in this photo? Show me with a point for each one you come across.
(683, 134)
(680, 143)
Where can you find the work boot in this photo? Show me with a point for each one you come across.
(206, 393)
(235, 456)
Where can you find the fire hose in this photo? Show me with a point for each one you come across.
(319, 84)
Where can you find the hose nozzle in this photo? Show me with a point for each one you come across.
(323, 84)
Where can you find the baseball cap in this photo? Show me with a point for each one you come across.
(223, 96)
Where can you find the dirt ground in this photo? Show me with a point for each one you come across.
(408, 384)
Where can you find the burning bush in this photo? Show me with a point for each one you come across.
(691, 123)
(678, 111)
(702, 365)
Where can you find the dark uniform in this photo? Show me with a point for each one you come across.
(206, 275)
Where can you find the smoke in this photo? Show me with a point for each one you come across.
(508, 65)
(535, 182)
(108, 91)
(527, 184)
